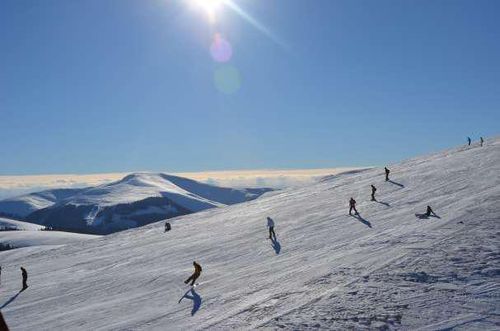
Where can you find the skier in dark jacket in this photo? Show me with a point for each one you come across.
(24, 273)
(482, 141)
(387, 171)
(469, 140)
(195, 275)
(352, 206)
(167, 226)
(270, 225)
(374, 189)
(429, 211)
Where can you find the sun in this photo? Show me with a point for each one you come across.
(209, 6)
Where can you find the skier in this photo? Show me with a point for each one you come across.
(429, 211)
(167, 227)
(374, 189)
(469, 140)
(352, 206)
(387, 171)
(25, 278)
(482, 141)
(195, 275)
(270, 225)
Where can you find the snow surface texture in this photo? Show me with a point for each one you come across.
(136, 200)
(20, 239)
(10, 224)
(23, 234)
(387, 269)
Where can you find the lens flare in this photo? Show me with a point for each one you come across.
(221, 49)
(227, 79)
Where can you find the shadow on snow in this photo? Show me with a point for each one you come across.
(276, 245)
(362, 220)
(196, 300)
(11, 299)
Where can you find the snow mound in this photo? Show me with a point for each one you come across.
(10, 224)
(19, 239)
(382, 270)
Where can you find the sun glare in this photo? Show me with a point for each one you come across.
(209, 6)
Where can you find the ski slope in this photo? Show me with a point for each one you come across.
(7, 223)
(24, 234)
(387, 270)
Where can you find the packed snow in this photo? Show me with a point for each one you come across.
(10, 224)
(20, 234)
(19, 239)
(389, 268)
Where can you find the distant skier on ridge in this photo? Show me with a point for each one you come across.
(352, 206)
(167, 227)
(374, 189)
(24, 274)
(195, 275)
(270, 225)
(482, 141)
(469, 140)
(387, 172)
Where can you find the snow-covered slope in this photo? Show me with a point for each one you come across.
(20, 234)
(19, 239)
(24, 205)
(10, 224)
(136, 200)
(388, 269)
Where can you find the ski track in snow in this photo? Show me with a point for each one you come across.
(333, 271)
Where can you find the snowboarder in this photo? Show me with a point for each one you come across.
(469, 140)
(482, 141)
(195, 275)
(167, 227)
(429, 211)
(24, 273)
(270, 225)
(352, 206)
(374, 189)
(387, 171)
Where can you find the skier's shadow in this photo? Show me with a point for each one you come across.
(362, 220)
(396, 183)
(10, 300)
(276, 245)
(425, 217)
(196, 300)
(382, 203)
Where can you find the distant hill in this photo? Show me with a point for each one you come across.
(135, 200)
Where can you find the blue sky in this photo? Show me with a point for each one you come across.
(117, 86)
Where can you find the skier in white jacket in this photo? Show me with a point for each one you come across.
(270, 225)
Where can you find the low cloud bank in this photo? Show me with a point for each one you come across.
(16, 185)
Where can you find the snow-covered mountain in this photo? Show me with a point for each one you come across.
(22, 206)
(136, 200)
(386, 269)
